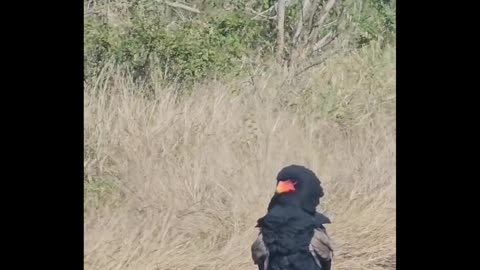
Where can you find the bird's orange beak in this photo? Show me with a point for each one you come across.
(285, 186)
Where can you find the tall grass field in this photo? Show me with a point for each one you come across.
(177, 179)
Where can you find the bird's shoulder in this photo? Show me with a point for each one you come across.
(320, 219)
(321, 242)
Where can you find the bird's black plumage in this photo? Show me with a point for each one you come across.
(309, 189)
(292, 234)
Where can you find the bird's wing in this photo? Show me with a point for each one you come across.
(260, 253)
(321, 248)
(320, 219)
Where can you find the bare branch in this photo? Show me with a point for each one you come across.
(305, 11)
(181, 6)
(330, 4)
(325, 40)
(321, 61)
(262, 14)
(298, 31)
(310, 18)
(327, 9)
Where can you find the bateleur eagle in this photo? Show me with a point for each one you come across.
(292, 235)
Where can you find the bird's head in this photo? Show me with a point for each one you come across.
(299, 183)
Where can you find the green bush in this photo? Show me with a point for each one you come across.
(194, 50)
(144, 38)
(377, 22)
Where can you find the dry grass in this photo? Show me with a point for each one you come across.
(178, 183)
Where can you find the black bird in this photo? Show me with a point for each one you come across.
(292, 235)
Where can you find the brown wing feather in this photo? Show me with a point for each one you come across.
(260, 253)
(321, 246)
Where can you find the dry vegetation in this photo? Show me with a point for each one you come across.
(179, 182)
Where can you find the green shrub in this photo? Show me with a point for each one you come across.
(194, 50)
(142, 38)
(377, 22)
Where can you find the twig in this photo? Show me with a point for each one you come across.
(316, 63)
(327, 39)
(306, 6)
(311, 66)
(181, 6)
(262, 13)
(323, 17)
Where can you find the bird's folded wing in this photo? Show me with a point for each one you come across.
(260, 253)
(321, 248)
